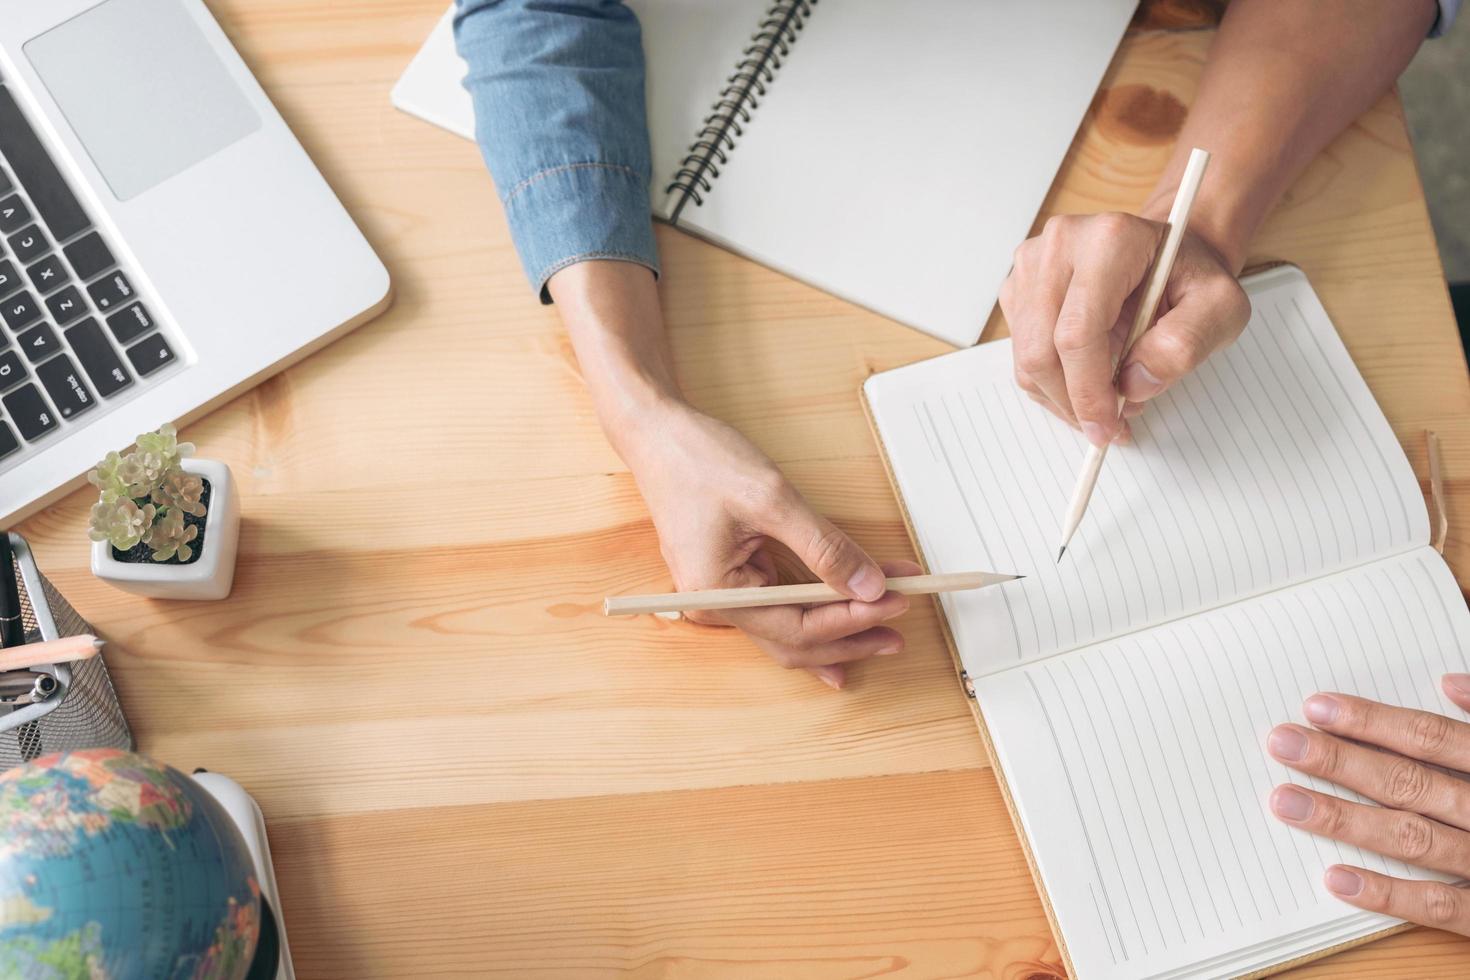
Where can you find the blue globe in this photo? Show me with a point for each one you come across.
(112, 865)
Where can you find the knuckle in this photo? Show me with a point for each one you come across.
(1237, 306)
(1176, 351)
(1406, 785)
(1026, 384)
(1056, 225)
(826, 550)
(1442, 904)
(767, 490)
(1414, 836)
(1113, 224)
(1074, 330)
(1329, 755)
(1429, 733)
(1032, 359)
(1332, 817)
(1018, 256)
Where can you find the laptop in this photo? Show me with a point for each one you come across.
(165, 243)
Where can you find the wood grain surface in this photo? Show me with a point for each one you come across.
(466, 769)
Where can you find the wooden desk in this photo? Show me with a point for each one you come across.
(466, 769)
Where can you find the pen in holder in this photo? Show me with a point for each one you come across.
(82, 712)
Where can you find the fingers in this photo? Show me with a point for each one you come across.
(797, 636)
(1209, 313)
(831, 555)
(1083, 342)
(1391, 779)
(1457, 689)
(1409, 837)
(1419, 734)
(834, 675)
(1427, 903)
(1031, 297)
(822, 638)
(1063, 300)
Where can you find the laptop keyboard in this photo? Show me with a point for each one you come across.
(59, 285)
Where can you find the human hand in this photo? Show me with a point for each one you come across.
(1070, 300)
(1425, 817)
(718, 503)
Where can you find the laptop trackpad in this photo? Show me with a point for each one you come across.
(143, 90)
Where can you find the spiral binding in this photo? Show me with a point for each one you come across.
(756, 70)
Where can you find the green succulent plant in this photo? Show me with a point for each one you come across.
(144, 495)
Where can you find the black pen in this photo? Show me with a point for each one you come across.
(11, 632)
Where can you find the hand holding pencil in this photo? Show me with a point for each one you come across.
(1073, 295)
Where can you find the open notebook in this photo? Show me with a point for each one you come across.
(1264, 538)
(892, 154)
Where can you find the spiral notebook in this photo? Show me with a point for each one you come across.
(891, 154)
(1265, 538)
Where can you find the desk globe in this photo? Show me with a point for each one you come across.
(114, 866)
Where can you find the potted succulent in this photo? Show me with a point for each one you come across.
(165, 526)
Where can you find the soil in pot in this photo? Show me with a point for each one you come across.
(141, 554)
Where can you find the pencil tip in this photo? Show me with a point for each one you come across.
(1060, 553)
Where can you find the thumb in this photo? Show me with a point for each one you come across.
(832, 555)
(1205, 319)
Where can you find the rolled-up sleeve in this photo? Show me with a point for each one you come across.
(559, 116)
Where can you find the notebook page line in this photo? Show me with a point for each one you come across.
(980, 535)
(1326, 435)
(1172, 707)
(1311, 337)
(1187, 521)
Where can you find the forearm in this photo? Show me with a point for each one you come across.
(612, 316)
(1283, 79)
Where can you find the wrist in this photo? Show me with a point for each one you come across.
(637, 416)
(1212, 222)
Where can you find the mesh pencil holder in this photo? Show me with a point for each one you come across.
(83, 713)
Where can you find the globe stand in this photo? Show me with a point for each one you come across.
(267, 962)
(246, 815)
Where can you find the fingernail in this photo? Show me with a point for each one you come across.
(899, 608)
(889, 650)
(1291, 804)
(831, 682)
(1287, 744)
(1341, 881)
(1320, 709)
(1132, 410)
(1139, 383)
(1460, 682)
(1096, 434)
(867, 584)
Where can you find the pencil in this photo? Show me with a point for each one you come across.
(788, 595)
(62, 651)
(1194, 172)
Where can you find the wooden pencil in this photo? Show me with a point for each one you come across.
(1194, 172)
(787, 595)
(62, 651)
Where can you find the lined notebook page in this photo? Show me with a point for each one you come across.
(1139, 768)
(1270, 465)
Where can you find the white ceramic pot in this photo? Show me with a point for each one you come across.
(213, 575)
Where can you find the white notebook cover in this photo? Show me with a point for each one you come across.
(901, 152)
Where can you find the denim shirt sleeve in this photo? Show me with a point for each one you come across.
(559, 116)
